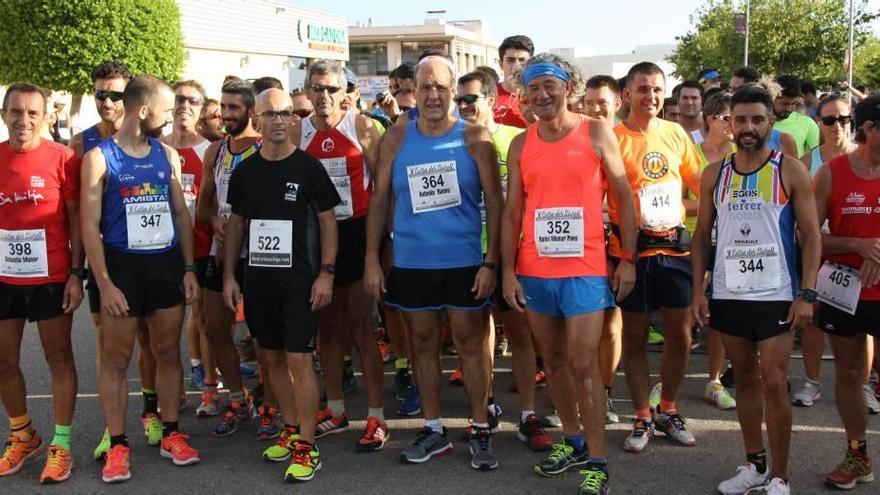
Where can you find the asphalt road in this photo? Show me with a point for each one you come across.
(233, 465)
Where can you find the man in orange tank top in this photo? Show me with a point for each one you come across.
(553, 252)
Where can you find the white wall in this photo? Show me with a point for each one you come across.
(210, 67)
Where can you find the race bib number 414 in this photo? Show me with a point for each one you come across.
(23, 253)
(660, 205)
(433, 186)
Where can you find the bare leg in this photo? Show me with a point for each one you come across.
(470, 333)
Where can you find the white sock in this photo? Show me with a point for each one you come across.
(337, 407)
(713, 382)
(524, 415)
(195, 362)
(483, 425)
(376, 412)
(435, 424)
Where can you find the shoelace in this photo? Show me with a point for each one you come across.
(57, 457)
(372, 427)
(116, 456)
(302, 455)
(177, 442)
(850, 463)
(593, 479)
(533, 428)
(559, 452)
(482, 438)
(424, 435)
(677, 421)
(640, 428)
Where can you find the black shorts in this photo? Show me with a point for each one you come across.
(286, 324)
(214, 274)
(498, 297)
(202, 269)
(93, 294)
(352, 250)
(31, 302)
(661, 282)
(836, 322)
(148, 281)
(751, 320)
(412, 289)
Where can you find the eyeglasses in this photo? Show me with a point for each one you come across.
(193, 100)
(303, 113)
(467, 99)
(725, 118)
(102, 95)
(285, 115)
(843, 119)
(320, 88)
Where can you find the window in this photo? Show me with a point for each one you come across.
(411, 50)
(369, 58)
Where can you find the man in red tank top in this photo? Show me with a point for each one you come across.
(513, 52)
(848, 195)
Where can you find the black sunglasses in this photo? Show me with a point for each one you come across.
(193, 100)
(467, 99)
(302, 113)
(843, 119)
(319, 88)
(102, 95)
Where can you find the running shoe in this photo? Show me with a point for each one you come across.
(855, 468)
(502, 347)
(493, 417)
(208, 406)
(654, 396)
(561, 459)
(777, 486)
(175, 447)
(304, 462)
(59, 465)
(540, 379)
(718, 396)
(237, 414)
(638, 438)
(402, 384)
(807, 394)
(551, 420)
(349, 384)
(871, 401)
(457, 377)
(727, 379)
(152, 428)
(326, 423)
(428, 444)
(674, 427)
(611, 416)
(283, 448)
(654, 336)
(533, 435)
(480, 445)
(116, 465)
(248, 370)
(18, 452)
(103, 445)
(197, 376)
(745, 478)
(595, 480)
(270, 423)
(375, 436)
(384, 350)
(412, 406)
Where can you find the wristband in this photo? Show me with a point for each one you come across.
(329, 268)
(79, 272)
(489, 265)
(190, 268)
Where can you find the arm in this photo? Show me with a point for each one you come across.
(482, 149)
(76, 144)
(322, 288)
(788, 145)
(206, 206)
(369, 137)
(807, 160)
(73, 291)
(701, 243)
(801, 193)
(231, 252)
(511, 226)
(182, 223)
(390, 144)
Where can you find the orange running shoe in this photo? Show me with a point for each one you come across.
(59, 465)
(17, 452)
(375, 436)
(384, 350)
(116, 465)
(326, 423)
(457, 377)
(174, 447)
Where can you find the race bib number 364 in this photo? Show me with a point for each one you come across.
(271, 243)
(23, 253)
(559, 232)
(433, 186)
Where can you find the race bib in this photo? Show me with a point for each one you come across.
(23, 253)
(839, 286)
(188, 182)
(660, 205)
(149, 225)
(559, 232)
(271, 243)
(433, 186)
(225, 210)
(752, 268)
(337, 169)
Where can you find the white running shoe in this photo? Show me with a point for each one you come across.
(871, 400)
(638, 438)
(718, 396)
(746, 478)
(777, 487)
(807, 394)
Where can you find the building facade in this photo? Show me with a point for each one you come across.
(618, 64)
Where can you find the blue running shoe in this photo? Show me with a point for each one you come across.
(412, 405)
(197, 376)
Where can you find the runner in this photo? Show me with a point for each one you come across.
(671, 111)
(302, 106)
(513, 53)
(434, 168)
(709, 78)
(690, 104)
(742, 76)
(40, 275)
(278, 195)
(554, 243)
(659, 160)
(759, 198)
(848, 280)
(347, 145)
(211, 121)
(802, 128)
(138, 237)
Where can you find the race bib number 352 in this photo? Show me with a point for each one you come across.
(270, 243)
(839, 286)
(433, 186)
(149, 225)
(23, 253)
(559, 232)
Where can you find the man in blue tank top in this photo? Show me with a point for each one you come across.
(435, 170)
(138, 238)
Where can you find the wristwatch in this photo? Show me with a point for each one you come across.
(190, 268)
(489, 265)
(329, 268)
(79, 272)
(808, 295)
(630, 256)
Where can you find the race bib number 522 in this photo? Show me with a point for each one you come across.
(270, 243)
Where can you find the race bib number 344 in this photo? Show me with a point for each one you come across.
(433, 186)
(559, 232)
(752, 268)
(149, 225)
(23, 253)
(270, 243)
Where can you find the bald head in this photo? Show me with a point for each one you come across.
(435, 82)
(273, 99)
(435, 66)
(141, 90)
(274, 115)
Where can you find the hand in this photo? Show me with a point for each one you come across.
(869, 273)
(624, 279)
(869, 249)
(513, 292)
(322, 291)
(374, 279)
(190, 287)
(800, 314)
(484, 283)
(113, 301)
(218, 224)
(700, 308)
(73, 294)
(389, 105)
(231, 293)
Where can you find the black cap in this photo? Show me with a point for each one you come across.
(868, 110)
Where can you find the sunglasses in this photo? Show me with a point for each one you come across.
(286, 115)
(725, 118)
(843, 119)
(467, 99)
(303, 113)
(319, 88)
(102, 95)
(192, 100)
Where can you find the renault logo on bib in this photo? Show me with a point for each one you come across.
(745, 230)
(290, 191)
(655, 165)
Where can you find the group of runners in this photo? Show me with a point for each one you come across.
(553, 204)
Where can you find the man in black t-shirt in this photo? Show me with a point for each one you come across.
(282, 202)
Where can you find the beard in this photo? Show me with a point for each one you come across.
(758, 144)
(238, 126)
(153, 132)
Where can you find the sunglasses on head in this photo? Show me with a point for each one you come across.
(193, 100)
(320, 88)
(843, 119)
(102, 95)
(467, 99)
(725, 118)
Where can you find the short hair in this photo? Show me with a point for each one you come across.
(406, 70)
(516, 42)
(807, 87)
(829, 98)
(243, 89)
(212, 101)
(752, 93)
(26, 88)
(111, 69)
(490, 72)
(487, 85)
(603, 81)
(231, 77)
(748, 73)
(297, 92)
(692, 85)
(266, 82)
(791, 86)
(191, 83)
(327, 66)
(140, 89)
(711, 91)
(670, 102)
(866, 110)
(578, 84)
(621, 83)
(646, 68)
(715, 104)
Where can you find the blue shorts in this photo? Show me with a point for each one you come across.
(661, 282)
(566, 297)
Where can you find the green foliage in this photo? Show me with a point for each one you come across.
(806, 38)
(867, 63)
(56, 43)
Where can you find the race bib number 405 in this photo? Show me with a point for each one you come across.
(839, 286)
(149, 225)
(559, 232)
(752, 268)
(270, 243)
(433, 186)
(660, 205)
(23, 253)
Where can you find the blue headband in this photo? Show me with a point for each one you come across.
(543, 69)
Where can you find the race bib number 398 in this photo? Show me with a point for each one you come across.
(559, 232)
(149, 225)
(839, 286)
(23, 253)
(433, 186)
(270, 243)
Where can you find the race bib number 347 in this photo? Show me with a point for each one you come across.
(433, 186)
(23, 253)
(270, 243)
(149, 225)
(559, 232)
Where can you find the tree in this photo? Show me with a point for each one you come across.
(805, 38)
(55, 44)
(866, 69)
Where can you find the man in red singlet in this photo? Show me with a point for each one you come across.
(513, 52)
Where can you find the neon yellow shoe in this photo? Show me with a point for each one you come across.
(283, 448)
(304, 462)
(654, 397)
(152, 428)
(104, 446)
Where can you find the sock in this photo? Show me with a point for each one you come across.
(644, 413)
(401, 363)
(539, 362)
(577, 441)
(151, 401)
(236, 397)
(483, 425)
(667, 406)
(22, 428)
(337, 407)
(759, 460)
(860, 445)
(599, 462)
(346, 359)
(195, 362)
(211, 386)
(435, 424)
(524, 415)
(291, 428)
(169, 427)
(376, 412)
(62, 436)
(607, 391)
(118, 440)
